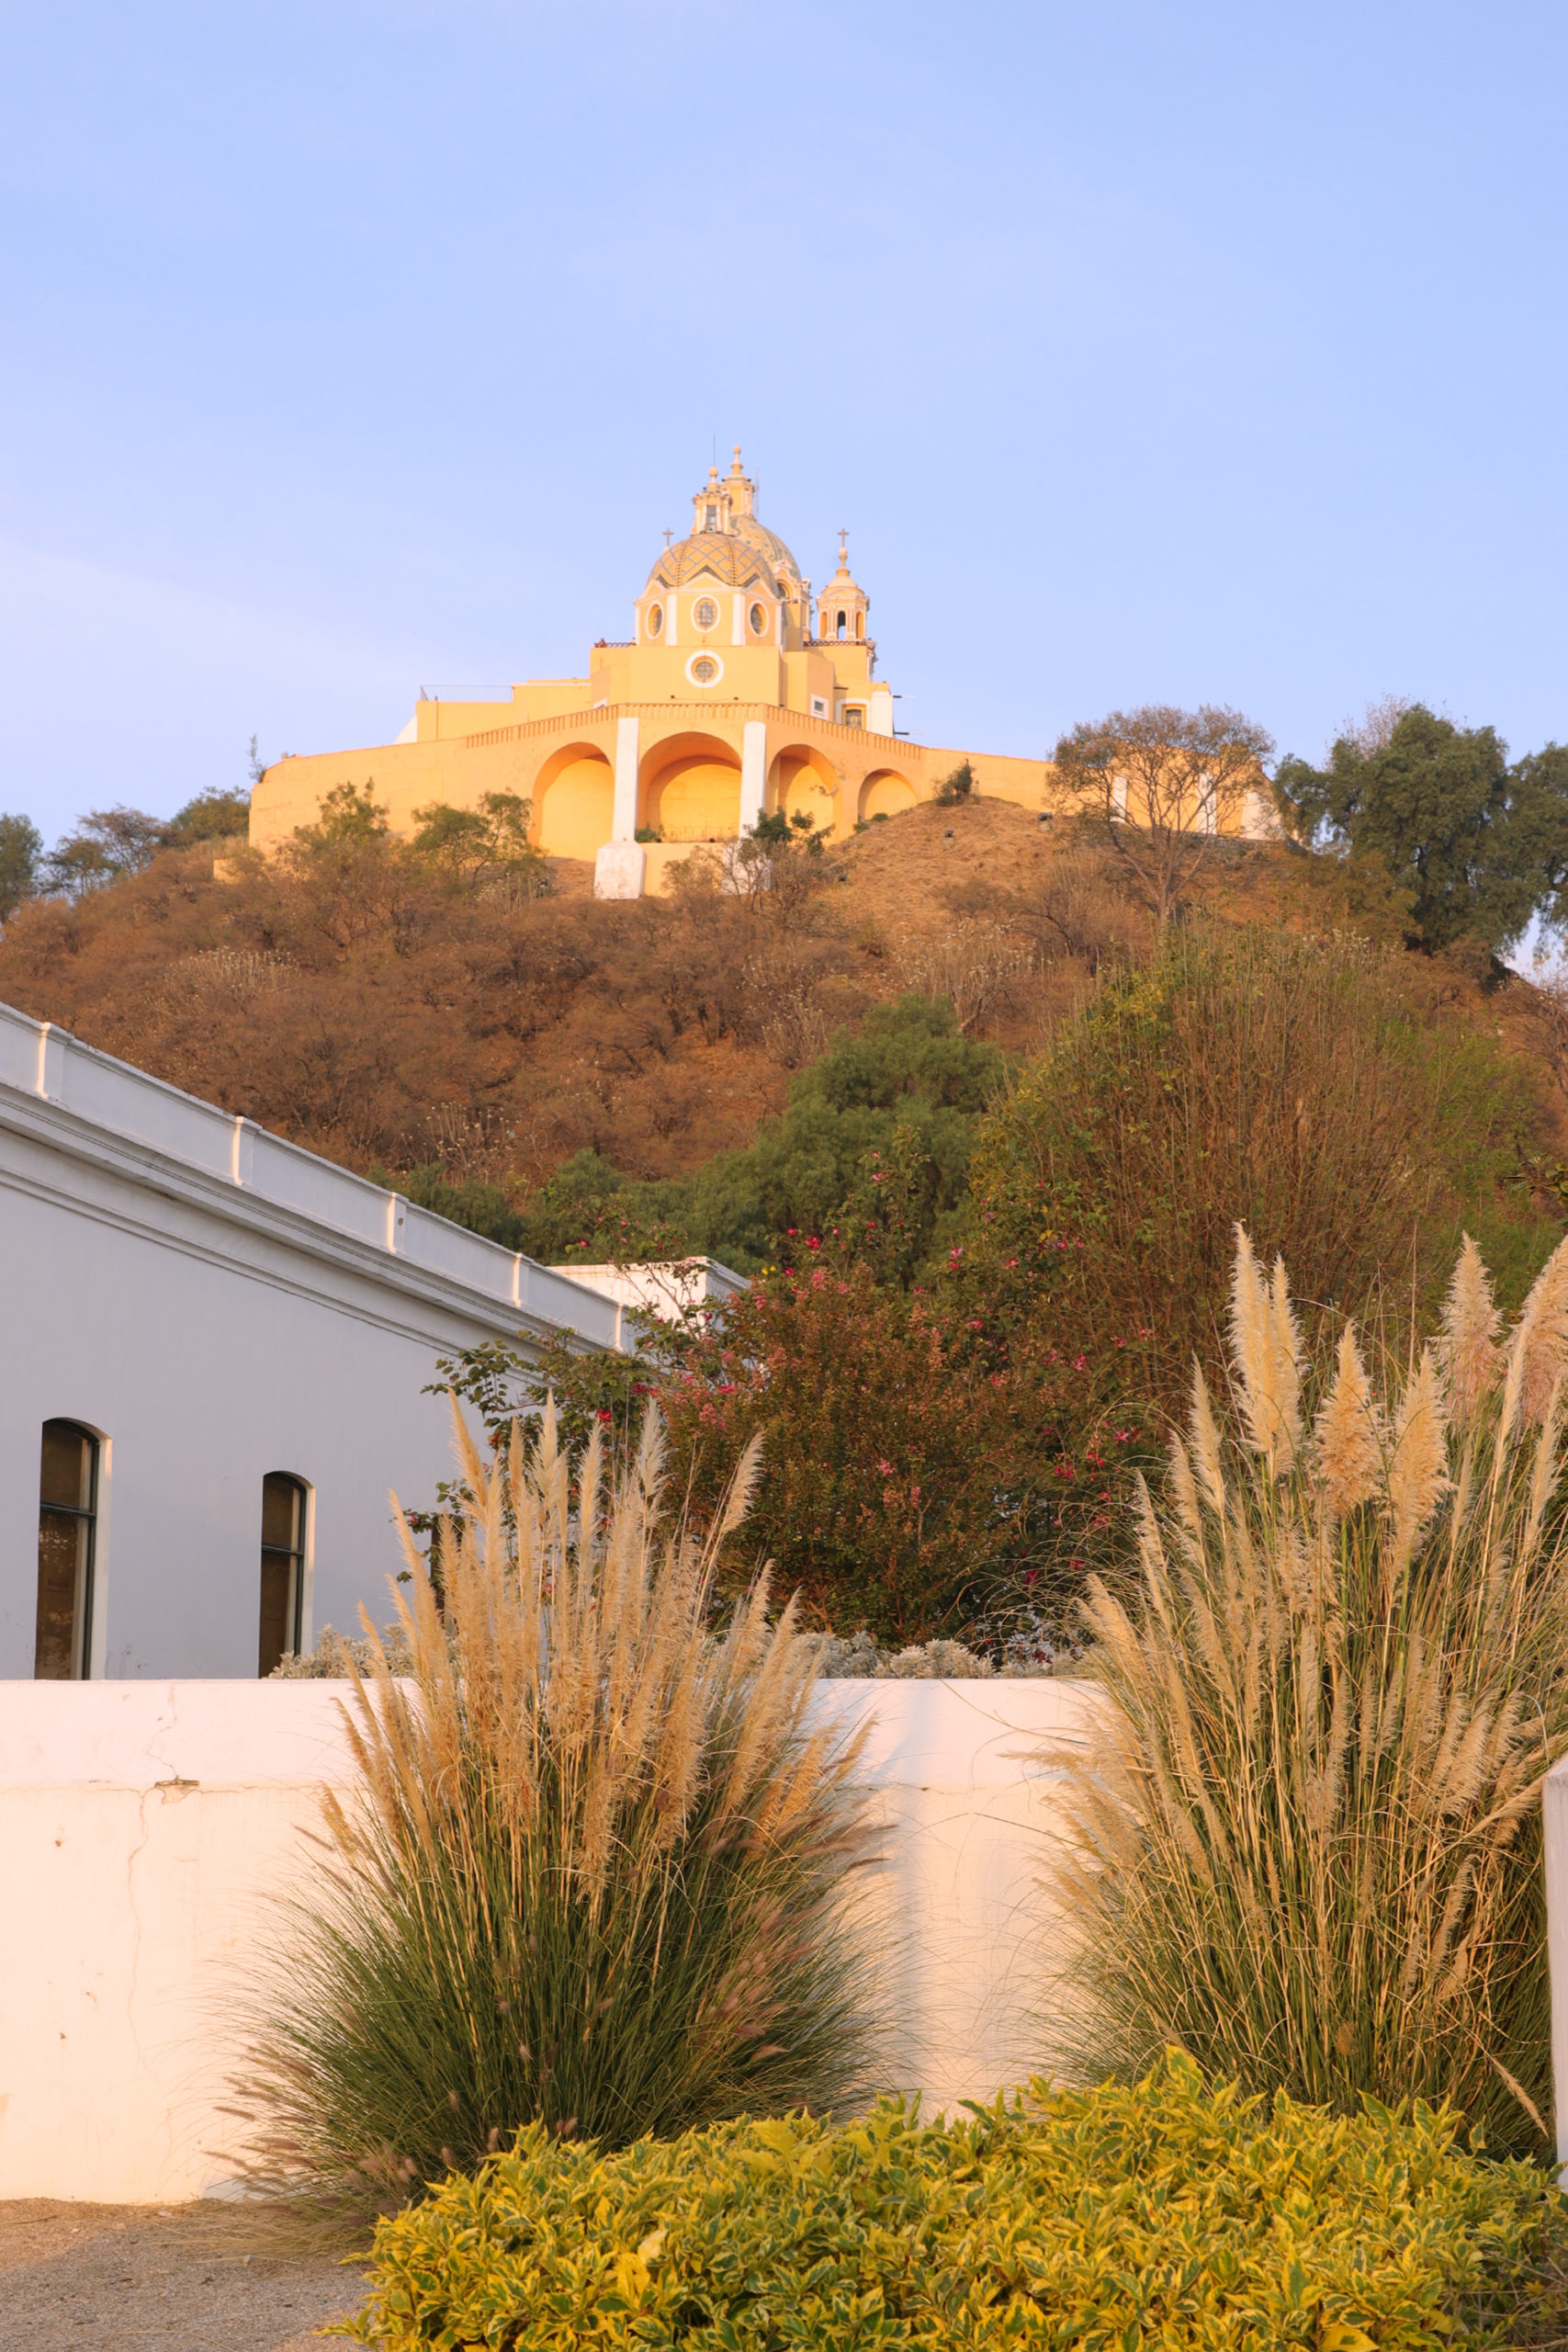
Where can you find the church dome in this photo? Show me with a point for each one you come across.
(723, 556)
(773, 551)
(729, 543)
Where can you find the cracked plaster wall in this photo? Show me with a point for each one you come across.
(143, 1827)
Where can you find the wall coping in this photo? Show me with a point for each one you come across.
(70, 1097)
(179, 1737)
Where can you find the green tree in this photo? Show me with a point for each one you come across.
(467, 845)
(211, 816)
(482, 1209)
(907, 1086)
(109, 844)
(1479, 844)
(591, 1213)
(874, 1146)
(349, 812)
(22, 846)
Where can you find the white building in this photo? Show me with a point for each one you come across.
(215, 1349)
(668, 1287)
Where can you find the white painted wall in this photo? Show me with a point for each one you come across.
(665, 1288)
(143, 1825)
(216, 1304)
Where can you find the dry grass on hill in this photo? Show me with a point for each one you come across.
(357, 1004)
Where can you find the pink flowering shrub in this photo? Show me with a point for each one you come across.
(921, 1470)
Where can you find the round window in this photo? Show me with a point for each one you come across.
(705, 613)
(706, 671)
(655, 619)
(758, 620)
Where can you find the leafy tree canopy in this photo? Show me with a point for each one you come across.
(468, 843)
(22, 846)
(211, 816)
(109, 844)
(898, 1099)
(1479, 845)
(349, 812)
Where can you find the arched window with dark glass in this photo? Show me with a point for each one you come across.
(67, 1523)
(842, 617)
(284, 1505)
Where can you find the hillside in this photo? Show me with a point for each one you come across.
(375, 1009)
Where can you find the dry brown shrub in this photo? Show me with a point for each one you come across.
(982, 967)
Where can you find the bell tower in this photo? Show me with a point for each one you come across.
(843, 606)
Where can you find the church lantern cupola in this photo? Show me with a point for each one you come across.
(842, 606)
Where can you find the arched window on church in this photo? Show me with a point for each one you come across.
(284, 1505)
(860, 623)
(842, 620)
(713, 518)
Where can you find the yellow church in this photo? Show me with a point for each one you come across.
(736, 695)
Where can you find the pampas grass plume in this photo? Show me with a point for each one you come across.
(1418, 1467)
(1542, 1337)
(1348, 1436)
(1266, 1347)
(1471, 1356)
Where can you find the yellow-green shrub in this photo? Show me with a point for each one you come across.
(1170, 2214)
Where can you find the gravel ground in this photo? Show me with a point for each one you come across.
(200, 2278)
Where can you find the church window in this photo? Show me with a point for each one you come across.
(705, 671)
(713, 518)
(758, 620)
(707, 613)
(655, 619)
(67, 1523)
(841, 622)
(282, 1568)
(860, 623)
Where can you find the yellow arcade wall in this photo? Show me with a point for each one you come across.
(689, 772)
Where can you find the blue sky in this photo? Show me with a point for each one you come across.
(1186, 352)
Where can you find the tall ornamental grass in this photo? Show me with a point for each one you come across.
(1305, 1842)
(593, 1877)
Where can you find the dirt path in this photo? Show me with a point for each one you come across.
(199, 2278)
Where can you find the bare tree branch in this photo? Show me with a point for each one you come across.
(1163, 784)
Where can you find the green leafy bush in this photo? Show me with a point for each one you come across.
(1170, 2214)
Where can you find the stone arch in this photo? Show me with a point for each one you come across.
(803, 781)
(574, 801)
(691, 788)
(886, 793)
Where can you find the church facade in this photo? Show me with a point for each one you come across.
(739, 696)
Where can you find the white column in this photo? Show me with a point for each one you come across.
(622, 823)
(739, 634)
(754, 772)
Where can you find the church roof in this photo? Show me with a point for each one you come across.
(730, 558)
(746, 527)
